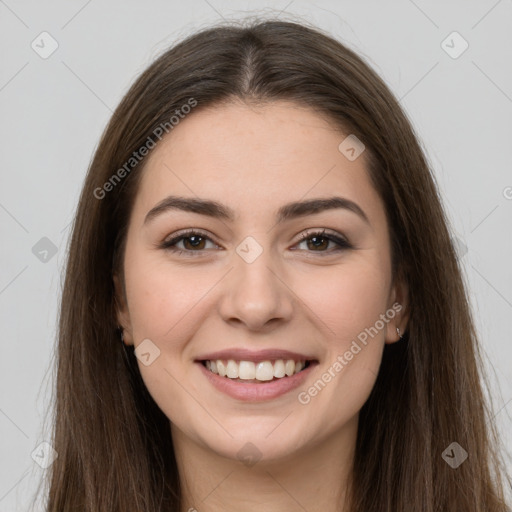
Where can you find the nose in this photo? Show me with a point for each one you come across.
(256, 294)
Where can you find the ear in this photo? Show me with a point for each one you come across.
(122, 312)
(398, 311)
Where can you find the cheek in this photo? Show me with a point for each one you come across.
(348, 303)
(161, 304)
(347, 299)
(161, 300)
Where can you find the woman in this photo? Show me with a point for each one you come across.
(263, 308)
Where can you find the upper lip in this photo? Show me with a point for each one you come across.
(239, 354)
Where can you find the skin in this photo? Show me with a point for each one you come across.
(294, 296)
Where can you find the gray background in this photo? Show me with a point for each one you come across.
(54, 109)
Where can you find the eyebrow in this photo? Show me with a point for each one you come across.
(287, 212)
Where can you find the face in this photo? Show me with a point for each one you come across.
(252, 280)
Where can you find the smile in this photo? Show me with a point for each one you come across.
(262, 371)
(261, 380)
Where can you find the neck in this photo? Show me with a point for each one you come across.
(314, 478)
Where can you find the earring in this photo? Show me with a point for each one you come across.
(398, 332)
(121, 333)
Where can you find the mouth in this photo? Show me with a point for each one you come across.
(256, 372)
(256, 380)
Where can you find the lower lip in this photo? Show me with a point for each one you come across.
(253, 392)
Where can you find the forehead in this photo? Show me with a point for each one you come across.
(254, 159)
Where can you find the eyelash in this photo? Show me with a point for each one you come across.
(169, 244)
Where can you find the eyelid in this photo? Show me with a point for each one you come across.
(322, 232)
(184, 233)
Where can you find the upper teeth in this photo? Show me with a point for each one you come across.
(248, 370)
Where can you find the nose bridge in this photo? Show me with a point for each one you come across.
(255, 292)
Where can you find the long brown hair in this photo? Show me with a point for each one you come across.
(114, 444)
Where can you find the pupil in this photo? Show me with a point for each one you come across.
(317, 238)
(196, 243)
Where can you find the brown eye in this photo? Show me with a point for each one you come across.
(193, 243)
(319, 242)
